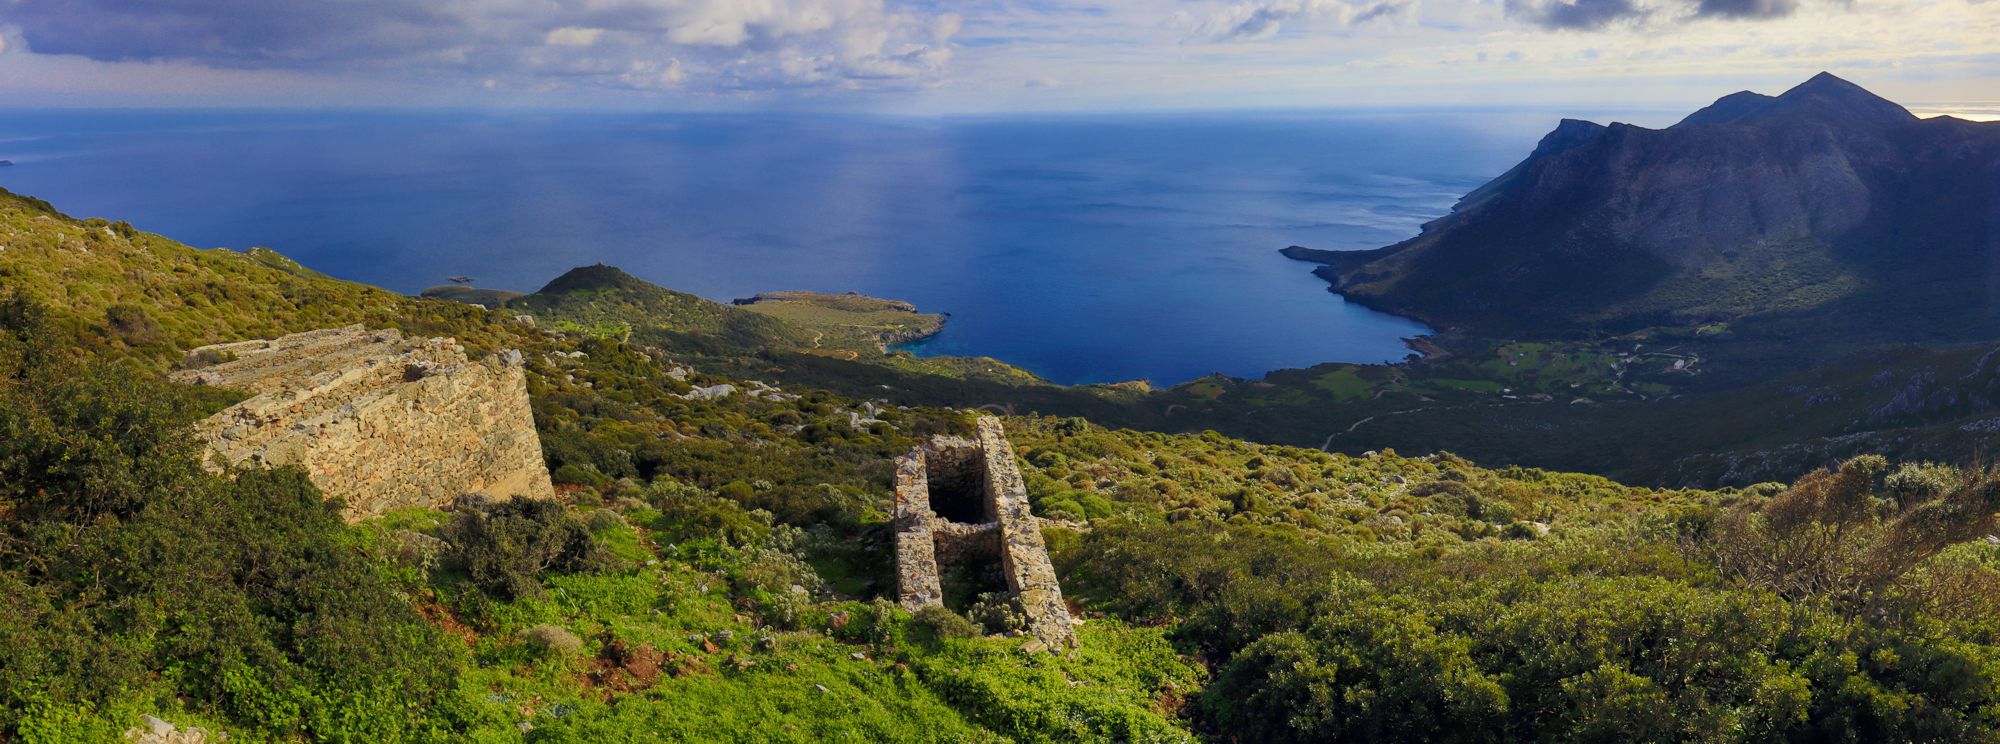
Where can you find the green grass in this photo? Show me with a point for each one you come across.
(1344, 383)
(846, 321)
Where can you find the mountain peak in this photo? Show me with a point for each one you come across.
(1827, 94)
(1826, 81)
(586, 278)
(1825, 97)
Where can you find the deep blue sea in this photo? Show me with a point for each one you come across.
(1086, 249)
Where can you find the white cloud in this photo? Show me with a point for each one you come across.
(572, 36)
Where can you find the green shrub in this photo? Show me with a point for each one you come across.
(552, 642)
(502, 547)
(942, 623)
(133, 325)
(998, 612)
(127, 569)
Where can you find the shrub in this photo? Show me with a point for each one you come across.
(133, 325)
(502, 547)
(580, 475)
(125, 568)
(552, 642)
(943, 623)
(998, 612)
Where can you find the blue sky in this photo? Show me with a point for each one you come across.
(952, 56)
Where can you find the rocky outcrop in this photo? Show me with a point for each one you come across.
(962, 502)
(375, 419)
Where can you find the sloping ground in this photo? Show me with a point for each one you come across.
(145, 293)
(1231, 589)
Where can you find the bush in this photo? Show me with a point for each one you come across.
(998, 612)
(580, 475)
(134, 326)
(502, 547)
(552, 642)
(126, 569)
(943, 623)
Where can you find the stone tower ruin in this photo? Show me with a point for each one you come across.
(961, 505)
(378, 420)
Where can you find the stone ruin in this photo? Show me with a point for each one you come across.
(379, 420)
(961, 506)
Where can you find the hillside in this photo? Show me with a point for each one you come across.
(143, 292)
(1825, 210)
(602, 297)
(716, 565)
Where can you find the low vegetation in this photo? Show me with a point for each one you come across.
(716, 564)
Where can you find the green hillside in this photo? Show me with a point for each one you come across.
(716, 567)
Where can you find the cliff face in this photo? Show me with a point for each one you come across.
(378, 420)
(1756, 204)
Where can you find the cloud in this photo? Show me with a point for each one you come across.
(1264, 18)
(572, 36)
(1746, 8)
(1581, 15)
(1598, 15)
(723, 44)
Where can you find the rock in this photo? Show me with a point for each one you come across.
(382, 421)
(158, 731)
(712, 392)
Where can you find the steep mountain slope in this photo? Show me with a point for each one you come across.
(1823, 205)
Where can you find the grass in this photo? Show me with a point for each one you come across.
(848, 321)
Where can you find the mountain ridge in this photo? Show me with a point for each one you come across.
(1816, 199)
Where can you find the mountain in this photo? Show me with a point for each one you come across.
(1826, 207)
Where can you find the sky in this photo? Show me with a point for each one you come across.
(987, 56)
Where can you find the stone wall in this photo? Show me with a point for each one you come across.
(378, 420)
(950, 469)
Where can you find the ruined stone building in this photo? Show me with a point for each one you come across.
(962, 508)
(376, 419)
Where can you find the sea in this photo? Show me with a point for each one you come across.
(1084, 248)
